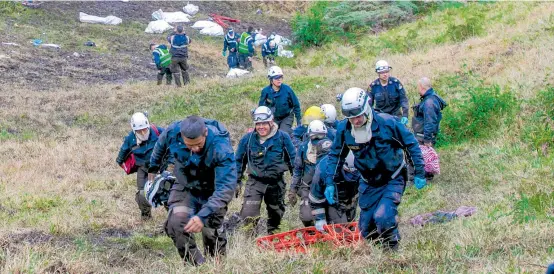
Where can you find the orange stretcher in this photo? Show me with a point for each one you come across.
(299, 240)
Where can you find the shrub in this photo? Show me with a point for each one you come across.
(539, 128)
(311, 29)
(477, 115)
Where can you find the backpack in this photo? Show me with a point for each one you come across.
(130, 164)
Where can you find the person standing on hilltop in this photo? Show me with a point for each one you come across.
(179, 54)
(387, 95)
(281, 99)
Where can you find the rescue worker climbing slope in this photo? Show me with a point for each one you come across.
(179, 54)
(230, 43)
(308, 155)
(377, 142)
(162, 59)
(281, 99)
(387, 95)
(269, 52)
(300, 133)
(347, 182)
(269, 153)
(246, 49)
(140, 142)
(206, 180)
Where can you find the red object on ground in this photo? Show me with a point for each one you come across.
(219, 19)
(299, 240)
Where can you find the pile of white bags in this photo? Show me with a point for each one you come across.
(208, 28)
(171, 17)
(159, 26)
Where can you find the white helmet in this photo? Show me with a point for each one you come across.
(262, 114)
(274, 71)
(330, 113)
(272, 44)
(316, 127)
(382, 66)
(139, 121)
(355, 102)
(349, 162)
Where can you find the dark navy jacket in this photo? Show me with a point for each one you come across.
(142, 153)
(267, 161)
(380, 159)
(267, 50)
(427, 116)
(346, 187)
(179, 45)
(230, 42)
(303, 169)
(389, 99)
(282, 103)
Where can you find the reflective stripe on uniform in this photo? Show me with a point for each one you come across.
(315, 200)
(183, 209)
(318, 211)
(252, 202)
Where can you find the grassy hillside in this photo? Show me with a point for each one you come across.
(66, 206)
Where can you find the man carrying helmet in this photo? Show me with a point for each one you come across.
(230, 43)
(281, 99)
(269, 52)
(387, 95)
(246, 49)
(300, 133)
(269, 153)
(140, 142)
(330, 113)
(308, 155)
(377, 141)
(206, 181)
(179, 54)
(344, 209)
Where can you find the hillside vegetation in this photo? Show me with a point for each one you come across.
(67, 206)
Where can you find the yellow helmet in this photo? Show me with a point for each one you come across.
(311, 114)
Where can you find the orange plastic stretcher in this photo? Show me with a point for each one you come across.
(299, 240)
(219, 19)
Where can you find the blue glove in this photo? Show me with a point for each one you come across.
(404, 120)
(319, 225)
(223, 53)
(420, 182)
(330, 194)
(339, 97)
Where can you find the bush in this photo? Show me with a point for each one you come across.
(311, 29)
(539, 128)
(477, 115)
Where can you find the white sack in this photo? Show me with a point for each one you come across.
(216, 30)
(235, 73)
(159, 26)
(171, 17)
(109, 20)
(203, 24)
(191, 9)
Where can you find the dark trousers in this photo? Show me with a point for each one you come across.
(379, 211)
(244, 62)
(272, 193)
(180, 67)
(168, 76)
(269, 60)
(285, 124)
(233, 59)
(144, 206)
(343, 212)
(305, 208)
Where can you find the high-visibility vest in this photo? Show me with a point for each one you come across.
(243, 44)
(165, 57)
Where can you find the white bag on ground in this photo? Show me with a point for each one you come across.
(216, 30)
(235, 73)
(280, 40)
(109, 20)
(191, 9)
(260, 39)
(171, 17)
(203, 24)
(159, 26)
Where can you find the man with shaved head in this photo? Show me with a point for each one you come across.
(427, 114)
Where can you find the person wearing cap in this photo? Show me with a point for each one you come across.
(387, 94)
(246, 49)
(308, 155)
(378, 142)
(300, 133)
(281, 99)
(179, 54)
(140, 143)
(269, 153)
(230, 43)
(269, 52)
(347, 183)
(162, 59)
(206, 175)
